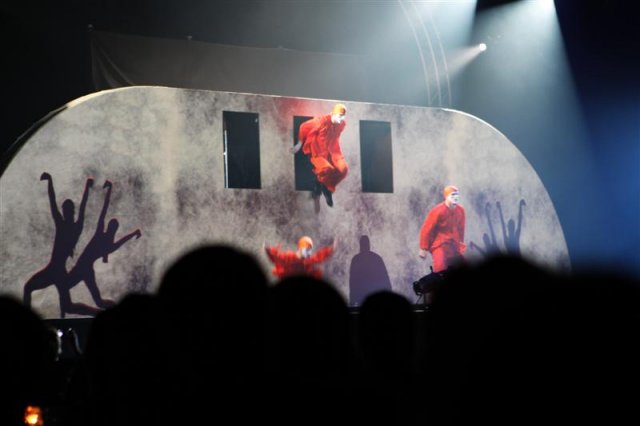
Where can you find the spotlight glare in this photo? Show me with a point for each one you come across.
(33, 416)
(482, 47)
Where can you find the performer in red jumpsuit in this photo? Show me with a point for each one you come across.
(442, 232)
(300, 262)
(319, 138)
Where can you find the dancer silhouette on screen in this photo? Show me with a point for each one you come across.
(67, 233)
(100, 246)
(490, 244)
(511, 232)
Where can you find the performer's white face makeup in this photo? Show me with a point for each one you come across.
(306, 252)
(453, 199)
(337, 118)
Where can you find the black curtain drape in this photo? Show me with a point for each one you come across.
(124, 60)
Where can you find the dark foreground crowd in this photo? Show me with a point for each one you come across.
(503, 342)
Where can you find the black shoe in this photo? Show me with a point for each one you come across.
(327, 195)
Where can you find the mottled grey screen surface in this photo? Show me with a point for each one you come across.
(163, 150)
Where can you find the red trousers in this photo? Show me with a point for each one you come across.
(330, 172)
(445, 256)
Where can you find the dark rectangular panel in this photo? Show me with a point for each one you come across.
(305, 179)
(376, 157)
(241, 135)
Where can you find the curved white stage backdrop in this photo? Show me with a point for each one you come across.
(163, 150)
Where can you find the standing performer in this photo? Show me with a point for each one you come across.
(319, 138)
(442, 232)
(299, 262)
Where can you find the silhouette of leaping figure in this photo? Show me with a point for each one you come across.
(490, 244)
(100, 246)
(511, 233)
(67, 233)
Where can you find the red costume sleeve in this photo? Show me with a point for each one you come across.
(273, 253)
(429, 228)
(308, 133)
(285, 262)
(333, 139)
(320, 137)
(304, 130)
(315, 259)
(319, 256)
